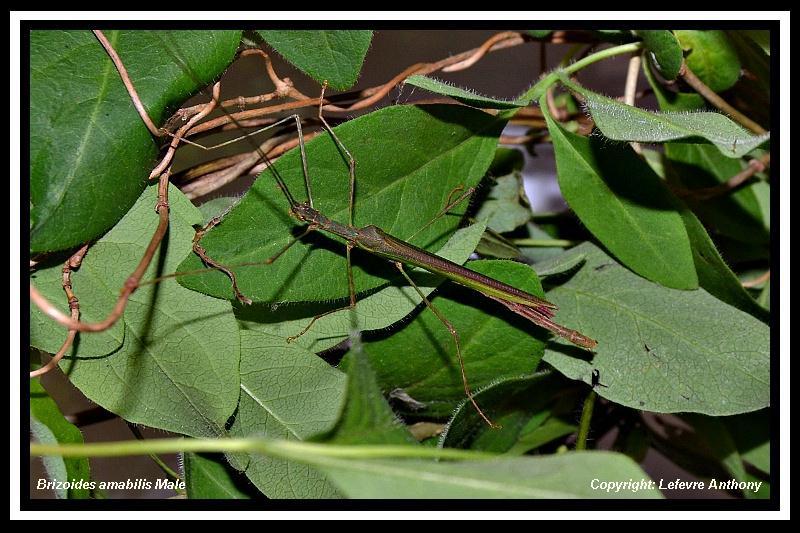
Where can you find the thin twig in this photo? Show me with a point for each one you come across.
(629, 98)
(176, 139)
(718, 102)
(126, 80)
(71, 264)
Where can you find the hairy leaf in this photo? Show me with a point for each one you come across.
(621, 122)
(287, 393)
(465, 96)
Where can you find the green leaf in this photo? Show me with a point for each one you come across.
(621, 122)
(660, 349)
(512, 403)
(287, 393)
(738, 214)
(465, 96)
(208, 477)
(217, 207)
(539, 34)
(90, 152)
(434, 149)
(48, 426)
(551, 429)
(375, 312)
(751, 433)
(625, 205)
(672, 101)
(366, 417)
(711, 56)
(714, 274)
(95, 303)
(567, 475)
(178, 366)
(332, 55)
(495, 343)
(711, 438)
(506, 207)
(665, 49)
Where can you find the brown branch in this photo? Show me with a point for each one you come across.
(481, 51)
(126, 80)
(364, 98)
(629, 96)
(754, 166)
(272, 147)
(131, 284)
(71, 264)
(176, 139)
(718, 102)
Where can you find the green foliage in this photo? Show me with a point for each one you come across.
(494, 343)
(665, 49)
(318, 410)
(465, 96)
(90, 152)
(208, 477)
(711, 56)
(434, 150)
(49, 426)
(334, 56)
(636, 219)
(621, 122)
(660, 349)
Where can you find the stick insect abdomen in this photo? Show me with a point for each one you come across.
(377, 241)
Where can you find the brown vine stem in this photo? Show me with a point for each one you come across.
(131, 284)
(366, 97)
(176, 138)
(754, 166)
(71, 264)
(126, 80)
(718, 102)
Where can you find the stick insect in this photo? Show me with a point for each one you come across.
(400, 253)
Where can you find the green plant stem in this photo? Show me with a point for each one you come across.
(292, 450)
(544, 243)
(535, 92)
(586, 420)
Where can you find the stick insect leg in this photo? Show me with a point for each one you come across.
(448, 206)
(204, 257)
(454, 334)
(351, 160)
(351, 305)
